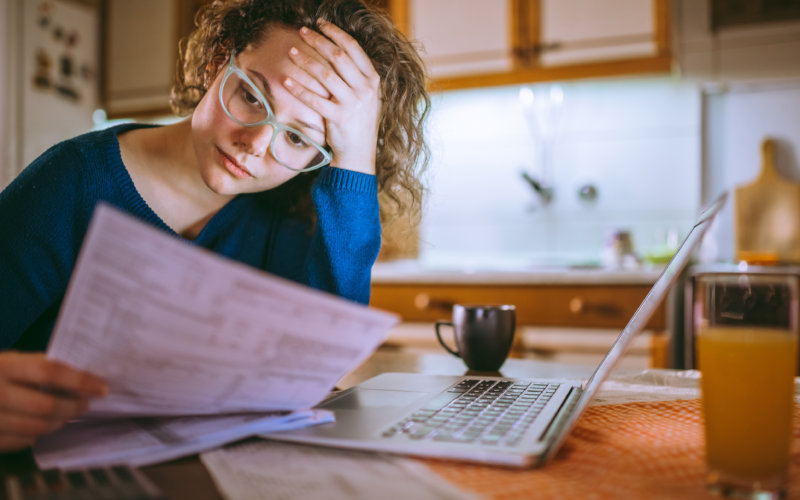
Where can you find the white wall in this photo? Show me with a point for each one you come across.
(637, 140)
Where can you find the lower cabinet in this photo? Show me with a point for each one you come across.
(564, 322)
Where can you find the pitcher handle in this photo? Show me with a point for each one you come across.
(439, 337)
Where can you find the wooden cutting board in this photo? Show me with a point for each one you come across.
(767, 215)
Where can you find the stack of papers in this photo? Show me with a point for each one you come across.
(178, 331)
(270, 470)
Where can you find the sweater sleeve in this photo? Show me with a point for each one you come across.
(344, 243)
(40, 231)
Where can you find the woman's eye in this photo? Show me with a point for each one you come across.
(295, 139)
(250, 97)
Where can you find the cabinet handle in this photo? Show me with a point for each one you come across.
(578, 306)
(423, 301)
(546, 47)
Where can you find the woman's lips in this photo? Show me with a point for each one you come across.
(233, 166)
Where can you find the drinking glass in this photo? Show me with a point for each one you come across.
(746, 332)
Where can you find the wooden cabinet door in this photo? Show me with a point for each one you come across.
(140, 52)
(141, 47)
(460, 37)
(578, 31)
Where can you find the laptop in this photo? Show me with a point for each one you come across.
(490, 420)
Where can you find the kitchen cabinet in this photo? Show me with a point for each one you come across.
(473, 43)
(589, 306)
(575, 31)
(579, 308)
(463, 36)
(140, 51)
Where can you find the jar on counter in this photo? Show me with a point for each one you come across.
(618, 252)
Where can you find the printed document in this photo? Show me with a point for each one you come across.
(177, 330)
(269, 470)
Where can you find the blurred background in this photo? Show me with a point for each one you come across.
(559, 128)
(627, 114)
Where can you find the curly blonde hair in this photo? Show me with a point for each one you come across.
(402, 154)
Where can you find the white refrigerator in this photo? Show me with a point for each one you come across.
(51, 76)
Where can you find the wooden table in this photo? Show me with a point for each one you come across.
(188, 478)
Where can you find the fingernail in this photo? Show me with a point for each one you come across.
(304, 30)
(293, 51)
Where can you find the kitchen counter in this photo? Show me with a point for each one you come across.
(510, 273)
(576, 310)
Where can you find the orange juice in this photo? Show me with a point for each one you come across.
(748, 391)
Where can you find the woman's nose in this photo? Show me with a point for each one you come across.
(255, 141)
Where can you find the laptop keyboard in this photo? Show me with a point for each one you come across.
(493, 412)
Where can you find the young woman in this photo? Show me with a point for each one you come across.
(302, 113)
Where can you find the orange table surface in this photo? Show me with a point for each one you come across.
(632, 450)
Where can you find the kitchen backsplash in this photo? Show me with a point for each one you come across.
(635, 142)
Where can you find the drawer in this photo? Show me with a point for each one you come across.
(590, 306)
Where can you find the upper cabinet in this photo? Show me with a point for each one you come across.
(465, 43)
(577, 31)
(471, 43)
(463, 36)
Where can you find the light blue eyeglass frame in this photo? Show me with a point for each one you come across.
(277, 126)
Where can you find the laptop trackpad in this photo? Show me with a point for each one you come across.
(372, 398)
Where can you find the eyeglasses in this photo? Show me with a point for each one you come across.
(244, 103)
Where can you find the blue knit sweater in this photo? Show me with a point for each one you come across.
(45, 212)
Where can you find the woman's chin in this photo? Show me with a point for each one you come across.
(221, 184)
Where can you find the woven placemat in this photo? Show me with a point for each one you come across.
(632, 450)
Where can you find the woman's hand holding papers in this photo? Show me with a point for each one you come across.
(38, 395)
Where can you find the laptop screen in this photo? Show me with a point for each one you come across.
(645, 311)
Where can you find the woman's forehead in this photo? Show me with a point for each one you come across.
(268, 62)
(271, 54)
(272, 49)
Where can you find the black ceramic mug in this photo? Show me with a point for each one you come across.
(483, 334)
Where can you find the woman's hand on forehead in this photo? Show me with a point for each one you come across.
(337, 62)
(307, 80)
